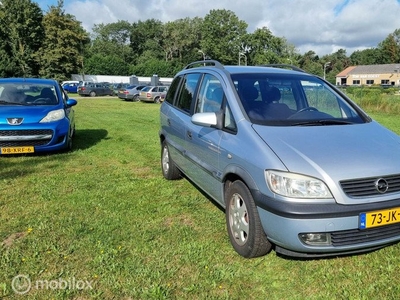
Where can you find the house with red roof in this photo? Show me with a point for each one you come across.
(381, 75)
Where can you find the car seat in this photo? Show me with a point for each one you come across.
(249, 95)
(48, 94)
(274, 108)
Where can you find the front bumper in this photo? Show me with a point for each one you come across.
(43, 137)
(283, 222)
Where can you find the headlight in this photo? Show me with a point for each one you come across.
(53, 116)
(296, 185)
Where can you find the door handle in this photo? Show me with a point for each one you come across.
(189, 134)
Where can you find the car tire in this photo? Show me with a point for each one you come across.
(135, 98)
(70, 139)
(69, 144)
(245, 231)
(92, 94)
(157, 100)
(168, 167)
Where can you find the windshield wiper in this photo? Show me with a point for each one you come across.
(12, 103)
(322, 122)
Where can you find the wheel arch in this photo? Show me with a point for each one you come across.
(162, 138)
(237, 173)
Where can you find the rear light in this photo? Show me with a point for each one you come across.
(126, 92)
(148, 95)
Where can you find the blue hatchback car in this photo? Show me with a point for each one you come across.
(70, 86)
(36, 115)
(296, 164)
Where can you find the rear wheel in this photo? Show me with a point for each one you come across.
(135, 98)
(92, 94)
(243, 222)
(157, 100)
(169, 169)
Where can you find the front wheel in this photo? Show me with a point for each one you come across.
(243, 222)
(169, 169)
(71, 135)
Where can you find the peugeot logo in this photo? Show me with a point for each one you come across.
(14, 121)
(381, 185)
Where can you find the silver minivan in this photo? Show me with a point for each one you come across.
(297, 166)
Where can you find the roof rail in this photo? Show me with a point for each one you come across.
(284, 66)
(207, 62)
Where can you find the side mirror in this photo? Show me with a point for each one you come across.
(207, 119)
(71, 102)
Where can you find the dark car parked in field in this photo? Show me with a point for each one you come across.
(93, 89)
(118, 86)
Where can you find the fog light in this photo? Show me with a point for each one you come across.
(316, 239)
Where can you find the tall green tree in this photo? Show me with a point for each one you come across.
(147, 36)
(101, 64)
(223, 35)
(22, 33)
(181, 38)
(110, 48)
(370, 56)
(310, 62)
(61, 53)
(333, 64)
(265, 48)
(390, 48)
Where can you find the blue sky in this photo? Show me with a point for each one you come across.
(46, 3)
(340, 6)
(323, 26)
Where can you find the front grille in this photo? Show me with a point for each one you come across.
(367, 186)
(19, 138)
(357, 236)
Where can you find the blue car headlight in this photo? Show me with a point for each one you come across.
(296, 185)
(54, 115)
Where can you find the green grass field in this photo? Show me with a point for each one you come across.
(100, 222)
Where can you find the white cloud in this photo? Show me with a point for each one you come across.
(321, 26)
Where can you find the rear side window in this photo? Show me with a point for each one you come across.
(172, 90)
(188, 89)
(146, 88)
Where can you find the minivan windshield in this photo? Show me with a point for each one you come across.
(293, 100)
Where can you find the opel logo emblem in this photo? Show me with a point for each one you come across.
(381, 185)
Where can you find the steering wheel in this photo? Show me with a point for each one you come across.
(40, 101)
(308, 108)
